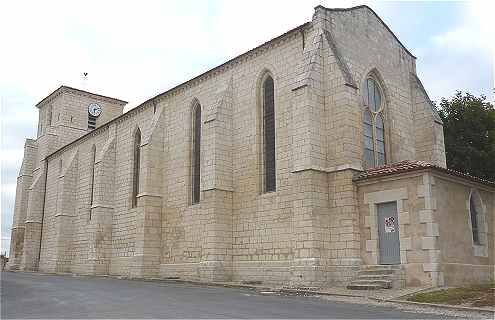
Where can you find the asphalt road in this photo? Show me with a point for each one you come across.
(25, 295)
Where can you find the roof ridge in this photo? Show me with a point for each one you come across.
(60, 89)
(363, 6)
(181, 85)
(413, 165)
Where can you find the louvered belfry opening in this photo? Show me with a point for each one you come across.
(91, 122)
(196, 154)
(269, 135)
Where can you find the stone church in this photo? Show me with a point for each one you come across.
(314, 159)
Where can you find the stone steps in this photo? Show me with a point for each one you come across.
(375, 272)
(374, 277)
(363, 287)
(380, 267)
(384, 284)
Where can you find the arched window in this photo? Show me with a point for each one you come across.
(49, 115)
(474, 220)
(92, 175)
(135, 170)
(196, 154)
(268, 104)
(478, 224)
(373, 123)
(369, 148)
(476, 216)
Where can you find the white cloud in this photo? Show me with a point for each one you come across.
(5, 245)
(474, 33)
(131, 50)
(458, 58)
(8, 189)
(10, 157)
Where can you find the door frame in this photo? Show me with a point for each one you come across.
(372, 199)
(380, 260)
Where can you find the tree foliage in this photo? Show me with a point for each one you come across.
(469, 130)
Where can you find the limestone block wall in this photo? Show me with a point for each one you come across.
(414, 220)
(307, 232)
(365, 46)
(24, 181)
(436, 245)
(67, 109)
(102, 231)
(48, 239)
(102, 206)
(262, 222)
(65, 212)
(75, 112)
(34, 220)
(343, 235)
(186, 228)
(462, 261)
(428, 127)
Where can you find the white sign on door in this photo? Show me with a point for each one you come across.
(389, 224)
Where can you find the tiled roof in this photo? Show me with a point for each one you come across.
(408, 166)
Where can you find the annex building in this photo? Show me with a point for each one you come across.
(314, 159)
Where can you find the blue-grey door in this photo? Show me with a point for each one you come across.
(388, 233)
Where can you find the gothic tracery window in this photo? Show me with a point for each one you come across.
(268, 129)
(196, 154)
(373, 123)
(136, 163)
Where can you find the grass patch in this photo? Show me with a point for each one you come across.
(473, 296)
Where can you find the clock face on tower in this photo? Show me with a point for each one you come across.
(94, 109)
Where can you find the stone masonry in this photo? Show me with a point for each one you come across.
(74, 205)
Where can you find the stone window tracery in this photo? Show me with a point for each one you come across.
(373, 124)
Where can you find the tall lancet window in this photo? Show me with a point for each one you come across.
(196, 154)
(478, 223)
(474, 220)
(49, 115)
(373, 125)
(136, 166)
(92, 177)
(268, 104)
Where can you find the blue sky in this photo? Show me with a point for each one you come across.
(134, 50)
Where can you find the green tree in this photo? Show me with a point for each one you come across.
(469, 130)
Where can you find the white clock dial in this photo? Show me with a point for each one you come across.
(94, 109)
